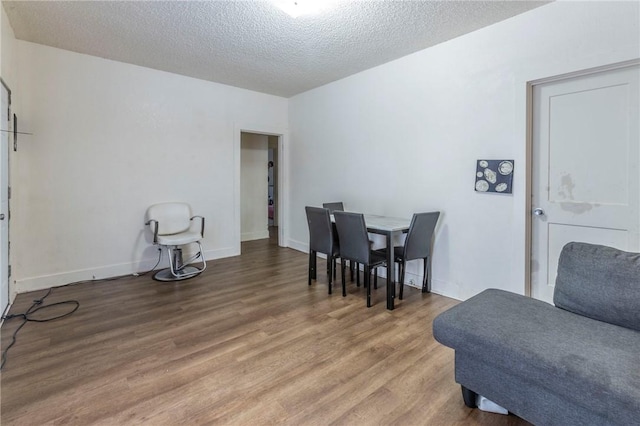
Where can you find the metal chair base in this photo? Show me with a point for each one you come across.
(185, 273)
(178, 270)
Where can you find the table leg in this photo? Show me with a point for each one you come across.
(391, 288)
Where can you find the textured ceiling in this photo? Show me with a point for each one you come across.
(253, 44)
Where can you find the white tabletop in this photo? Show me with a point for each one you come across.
(384, 223)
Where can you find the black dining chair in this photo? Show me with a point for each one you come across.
(355, 247)
(322, 239)
(417, 245)
(338, 206)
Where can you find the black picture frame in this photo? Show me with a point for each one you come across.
(494, 176)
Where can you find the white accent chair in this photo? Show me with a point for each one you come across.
(171, 224)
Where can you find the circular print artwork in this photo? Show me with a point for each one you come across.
(505, 168)
(482, 186)
(501, 187)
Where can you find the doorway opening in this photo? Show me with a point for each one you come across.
(260, 186)
(272, 190)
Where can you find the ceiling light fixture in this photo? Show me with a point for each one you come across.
(295, 8)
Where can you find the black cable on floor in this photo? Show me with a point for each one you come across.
(26, 317)
(37, 306)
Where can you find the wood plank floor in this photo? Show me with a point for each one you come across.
(245, 343)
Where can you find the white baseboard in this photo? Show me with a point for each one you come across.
(108, 271)
(446, 289)
(438, 287)
(257, 235)
(298, 245)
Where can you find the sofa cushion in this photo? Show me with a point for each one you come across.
(599, 282)
(591, 363)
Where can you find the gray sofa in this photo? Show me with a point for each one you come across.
(575, 363)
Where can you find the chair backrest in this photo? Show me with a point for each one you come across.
(321, 238)
(417, 245)
(172, 218)
(336, 206)
(354, 240)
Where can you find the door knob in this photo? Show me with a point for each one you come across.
(1, 216)
(538, 211)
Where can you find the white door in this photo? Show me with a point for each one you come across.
(4, 200)
(586, 176)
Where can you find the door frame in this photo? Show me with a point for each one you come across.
(8, 183)
(283, 184)
(529, 152)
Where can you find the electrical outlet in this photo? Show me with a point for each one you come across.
(412, 282)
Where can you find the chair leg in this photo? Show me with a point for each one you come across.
(315, 265)
(344, 284)
(426, 283)
(401, 283)
(375, 278)
(332, 272)
(469, 397)
(367, 283)
(334, 263)
(399, 280)
(357, 274)
(311, 271)
(351, 269)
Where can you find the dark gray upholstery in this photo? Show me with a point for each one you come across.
(322, 239)
(339, 206)
(525, 397)
(352, 230)
(355, 247)
(418, 242)
(599, 282)
(417, 245)
(552, 366)
(591, 364)
(334, 206)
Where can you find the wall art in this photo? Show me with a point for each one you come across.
(494, 176)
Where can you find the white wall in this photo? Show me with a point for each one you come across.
(109, 139)
(404, 137)
(253, 186)
(8, 50)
